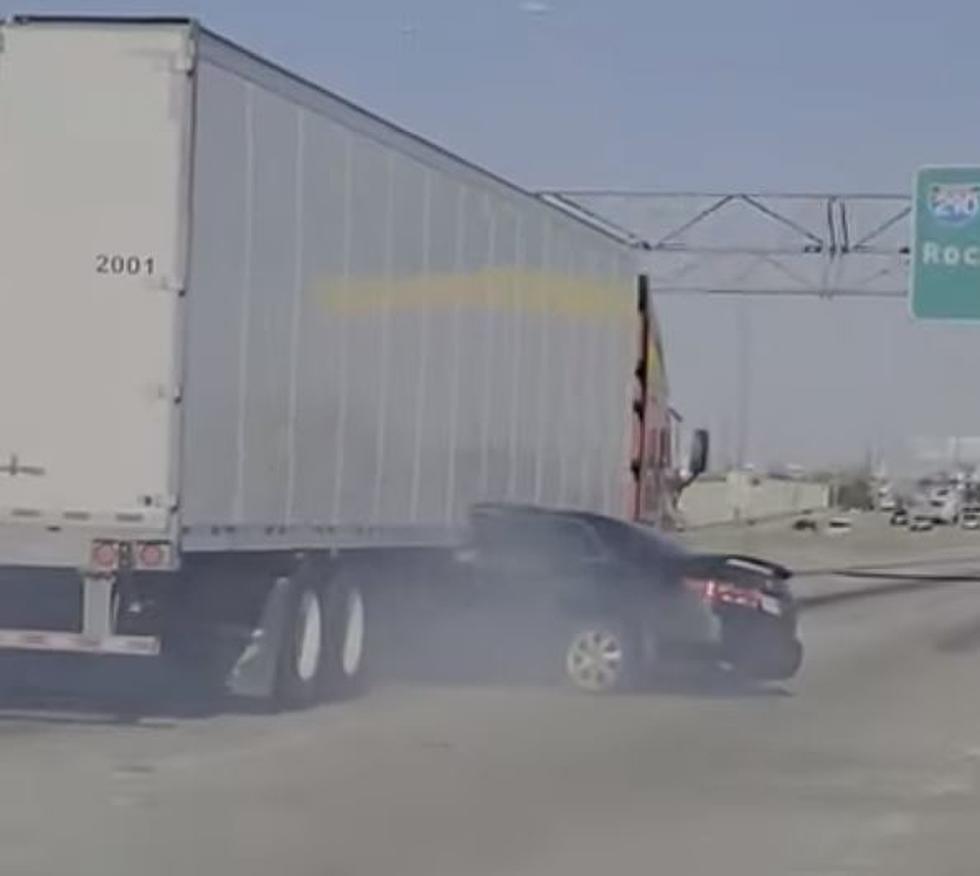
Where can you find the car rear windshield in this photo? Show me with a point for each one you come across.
(640, 545)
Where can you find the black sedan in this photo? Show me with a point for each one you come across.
(610, 602)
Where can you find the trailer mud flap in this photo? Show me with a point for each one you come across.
(254, 673)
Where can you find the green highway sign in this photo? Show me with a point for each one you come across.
(944, 275)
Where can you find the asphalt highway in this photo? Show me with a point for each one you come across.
(867, 763)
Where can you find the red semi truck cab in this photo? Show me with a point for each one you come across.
(657, 478)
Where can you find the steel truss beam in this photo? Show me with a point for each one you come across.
(769, 244)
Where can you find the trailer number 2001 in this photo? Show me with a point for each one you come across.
(124, 265)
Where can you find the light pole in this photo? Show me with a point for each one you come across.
(743, 378)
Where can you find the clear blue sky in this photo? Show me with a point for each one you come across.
(835, 95)
(772, 94)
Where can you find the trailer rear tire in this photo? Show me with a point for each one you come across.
(302, 657)
(343, 672)
(322, 653)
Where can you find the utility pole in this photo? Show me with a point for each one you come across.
(743, 377)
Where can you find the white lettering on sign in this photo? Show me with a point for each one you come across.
(950, 256)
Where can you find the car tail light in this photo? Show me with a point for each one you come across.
(703, 588)
(747, 597)
(723, 593)
(105, 555)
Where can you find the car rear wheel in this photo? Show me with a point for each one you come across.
(600, 657)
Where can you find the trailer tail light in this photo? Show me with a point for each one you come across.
(152, 555)
(144, 556)
(105, 556)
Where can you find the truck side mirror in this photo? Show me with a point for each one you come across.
(698, 461)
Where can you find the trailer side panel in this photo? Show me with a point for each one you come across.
(380, 335)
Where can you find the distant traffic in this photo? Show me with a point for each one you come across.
(940, 500)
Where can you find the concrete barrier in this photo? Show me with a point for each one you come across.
(743, 496)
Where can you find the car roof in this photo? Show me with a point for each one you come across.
(603, 526)
(518, 510)
(508, 509)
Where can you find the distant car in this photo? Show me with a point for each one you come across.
(609, 601)
(899, 517)
(970, 518)
(805, 524)
(946, 509)
(921, 522)
(839, 525)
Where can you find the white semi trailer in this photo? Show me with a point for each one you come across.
(258, 346)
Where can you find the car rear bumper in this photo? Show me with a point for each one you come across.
(761, 646)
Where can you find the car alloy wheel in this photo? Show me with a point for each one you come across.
(596, 660)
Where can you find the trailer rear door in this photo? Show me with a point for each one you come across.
(94, 122)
